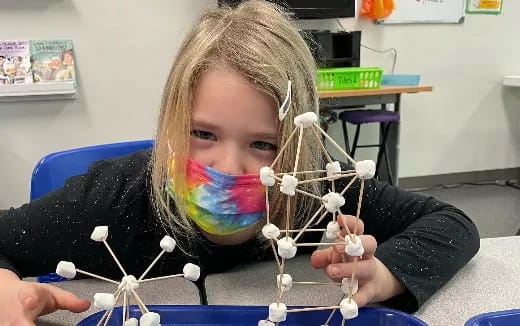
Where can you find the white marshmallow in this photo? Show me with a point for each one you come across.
(348, 308)
(277, 312)
(288, 185)
(332, 228)
(66, 269)
(306, 119)
(128, 283)
(167, 243)
(354, 248)
(286, 247)
(132, 322)
(104, 301)
(265, 323)
(366, 169)
(271, 231)
(333, 201)
(191, 272)
(100, 233)
(286, 281)
(267, 176)
(333, 168)
(345, 283)
(150, 319)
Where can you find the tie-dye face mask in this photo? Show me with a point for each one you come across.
(221, 203)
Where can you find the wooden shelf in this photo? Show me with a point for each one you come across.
(378, 91)
(37, 92)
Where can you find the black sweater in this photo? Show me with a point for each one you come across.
(423, 241)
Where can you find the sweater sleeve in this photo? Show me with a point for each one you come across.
(421, 240)
(57, 226)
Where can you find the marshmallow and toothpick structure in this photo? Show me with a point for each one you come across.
(126, 288)
(285, 242)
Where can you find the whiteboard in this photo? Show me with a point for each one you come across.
(426, 11)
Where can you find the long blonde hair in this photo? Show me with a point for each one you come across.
(261, 42)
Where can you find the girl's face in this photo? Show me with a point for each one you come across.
(234, 125)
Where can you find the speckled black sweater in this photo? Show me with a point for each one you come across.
(423, 241)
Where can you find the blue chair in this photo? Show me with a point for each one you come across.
(52, 170)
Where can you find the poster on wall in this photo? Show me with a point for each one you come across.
(426, 11)
(492, 7)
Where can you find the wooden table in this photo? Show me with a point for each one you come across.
(345, 99)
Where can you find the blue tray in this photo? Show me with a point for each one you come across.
(498, 318)
(249, 315)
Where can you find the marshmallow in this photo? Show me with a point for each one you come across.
(129, 283)
(354, 248)
(345, 283)
(150, 319)
(332, 228)
(288, 185)
(277, 312)
(286, 281)
(167, 243)
(267, 176)
(66, 269)
(366, 169)
(348, 308)
(271, 231)
(100, 233)
(265, 323)
(191, 272)
(104, 301)
(305, 120)
(286, 247)
(333, 201)
(333, 168)
(132, 322)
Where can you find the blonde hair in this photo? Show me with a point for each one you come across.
(258, 40)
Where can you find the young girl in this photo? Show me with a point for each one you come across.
(219, 118)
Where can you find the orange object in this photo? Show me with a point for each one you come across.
(377, 9)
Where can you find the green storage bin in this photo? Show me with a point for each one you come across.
(349, 78)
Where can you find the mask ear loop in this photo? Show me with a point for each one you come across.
(284, 108)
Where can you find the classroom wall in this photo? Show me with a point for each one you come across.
(124, 49)
(469, 122)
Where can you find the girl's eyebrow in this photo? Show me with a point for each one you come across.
(264, 135)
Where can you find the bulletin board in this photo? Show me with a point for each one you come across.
(426, 11)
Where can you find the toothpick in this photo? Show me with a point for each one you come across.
(139, 301)
(267, 203)
(360, 201)
(125, 303)
(112, 310)
(300, 138)
(300, 172)
(308, 194)
(115, 258)
(151, 265)
(161, 278)
(313, 309)
(309, 222)
(318, 283)
(308, 230)
(283, 147)
(316, 244)
(331, 178)
(332, 313)
(97, 276)
(333, 142)
(276, 256)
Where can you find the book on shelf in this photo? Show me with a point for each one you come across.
(15, 62)
(52, 61)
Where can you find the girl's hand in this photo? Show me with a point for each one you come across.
(376, 282)
(22, 302)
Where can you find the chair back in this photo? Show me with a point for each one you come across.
(52, 170)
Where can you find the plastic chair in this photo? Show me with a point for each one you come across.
(52, 170)
(359, 117)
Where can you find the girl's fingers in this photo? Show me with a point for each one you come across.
(350, 222)
(369, 244)
(365, 269)
(365, 294)
(323, 257)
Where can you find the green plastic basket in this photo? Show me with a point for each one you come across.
(349, 78)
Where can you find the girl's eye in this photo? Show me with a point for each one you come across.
(264, 146)
(206, 135)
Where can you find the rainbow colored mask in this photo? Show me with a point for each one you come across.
(221, 203)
